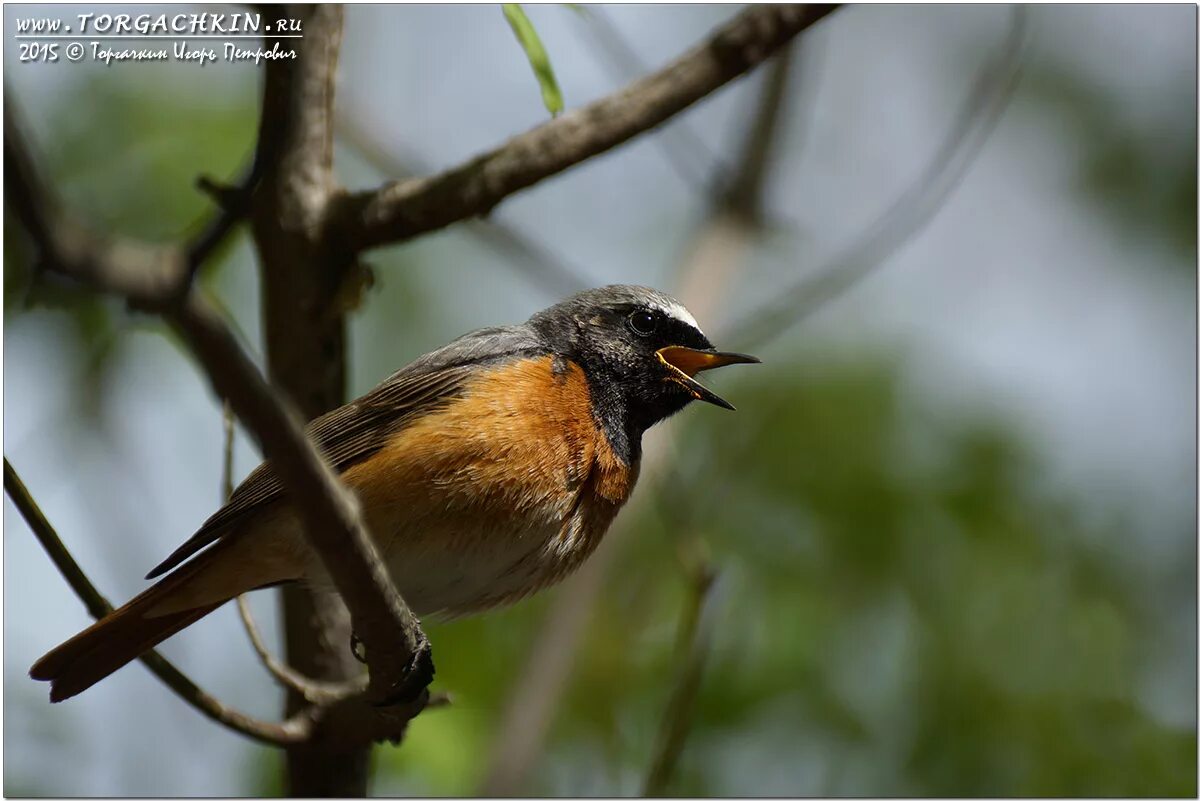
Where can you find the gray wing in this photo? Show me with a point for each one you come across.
(353, 432)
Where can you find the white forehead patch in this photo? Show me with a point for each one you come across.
(677, 311)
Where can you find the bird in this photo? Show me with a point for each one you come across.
(485, 470)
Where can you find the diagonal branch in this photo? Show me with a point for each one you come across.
(546, 271)
(287, 733)
(405, 209)
(313, 692)
(395, 645)
(693, 161)
(151, 276)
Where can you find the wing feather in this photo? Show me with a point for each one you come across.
(351, 433)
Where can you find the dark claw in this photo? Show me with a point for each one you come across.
(358, 648)
(417, 678)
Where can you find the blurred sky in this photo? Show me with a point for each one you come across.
(1019, 299)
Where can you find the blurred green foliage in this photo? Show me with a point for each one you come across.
(137, 179)
(1140, 175)
(900, 590)
(902, 609)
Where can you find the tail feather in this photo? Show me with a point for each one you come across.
(105, 647)
(123, 635)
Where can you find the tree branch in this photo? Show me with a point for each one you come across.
(693, 161)
(544, 270)
(304, 332)
(287, 733)
(396, 647)
(403, 210)
(314, 692)
(394, 641)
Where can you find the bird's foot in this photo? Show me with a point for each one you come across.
(418, 675)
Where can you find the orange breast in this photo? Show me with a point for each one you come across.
(502, 492)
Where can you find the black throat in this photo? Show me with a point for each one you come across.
(622, 410)
(625, 400)
(610, 408)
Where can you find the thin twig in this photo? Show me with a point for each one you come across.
(403, 210)
(287, 733)
(313, 691)
(912, 210)
(694, 645)
(227, 452)
(233, 204)
(693, 161)
(744, 189)
(389, 629)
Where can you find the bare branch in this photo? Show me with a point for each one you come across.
(287, 733)
(684, 150)
(403, 210)
(316, 692)
(397, 648)
(227, 452)
(287, 677)
(545, 270)
(912, 210)
(744, 192)
(233, 204)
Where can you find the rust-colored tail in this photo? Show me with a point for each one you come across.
(124, 634)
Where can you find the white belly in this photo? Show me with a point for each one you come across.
(459, 564)
(500, 567)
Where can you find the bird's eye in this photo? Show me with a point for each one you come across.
(643, 323)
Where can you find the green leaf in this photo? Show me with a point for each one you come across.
(527, 37)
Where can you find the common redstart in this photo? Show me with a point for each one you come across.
(486, 470)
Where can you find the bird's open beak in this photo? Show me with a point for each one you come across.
(684, 363)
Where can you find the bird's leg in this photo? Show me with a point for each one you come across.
(417, 677)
